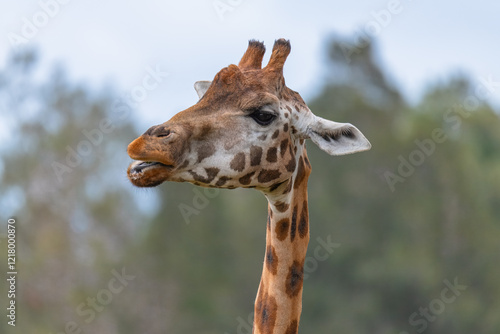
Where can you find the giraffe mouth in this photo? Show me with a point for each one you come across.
(140, 166)
(148, 173)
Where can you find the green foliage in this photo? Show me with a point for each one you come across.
(416, 214)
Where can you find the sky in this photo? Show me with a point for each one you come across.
(120, 43)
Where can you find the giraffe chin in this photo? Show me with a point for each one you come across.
(148, 174)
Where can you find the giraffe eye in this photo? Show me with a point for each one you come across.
(263, 117)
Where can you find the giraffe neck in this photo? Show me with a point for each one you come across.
(279, 299)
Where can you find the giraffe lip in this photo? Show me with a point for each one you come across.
(140, 166)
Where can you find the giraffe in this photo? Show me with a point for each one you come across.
(248, 130)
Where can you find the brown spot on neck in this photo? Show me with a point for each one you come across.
(271, 260)
(293, 328)
(294, 279)
(282, 228)
(304, 221)
(281, 206)
(301, 174)
(293, 227)
(265, 312)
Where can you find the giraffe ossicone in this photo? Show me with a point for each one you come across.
(248, 130)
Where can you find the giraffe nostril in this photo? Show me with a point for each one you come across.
(159, 131)
(163, 134)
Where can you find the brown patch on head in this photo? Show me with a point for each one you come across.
(301, 174)
(205, 150)
(271, 260)
(283, 146)
(267, 175)
(293, 328)
(290, 166)
(293, 228)
(304, 221)
(272, 154)
(211, 174)
(294, 279)
(289, 109)
(245, 180)
(276, 134)
(255, 155)
(282, 228)
(205, 130)
(238, 162)
(265, 312)
(222, 181)
(285, 127)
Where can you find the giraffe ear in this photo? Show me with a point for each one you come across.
(337, 138)
(202, 87)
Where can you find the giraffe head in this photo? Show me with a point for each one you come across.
(247, 130)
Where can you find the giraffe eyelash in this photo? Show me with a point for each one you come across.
(263, 117)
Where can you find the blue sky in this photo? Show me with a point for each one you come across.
(116, 42)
